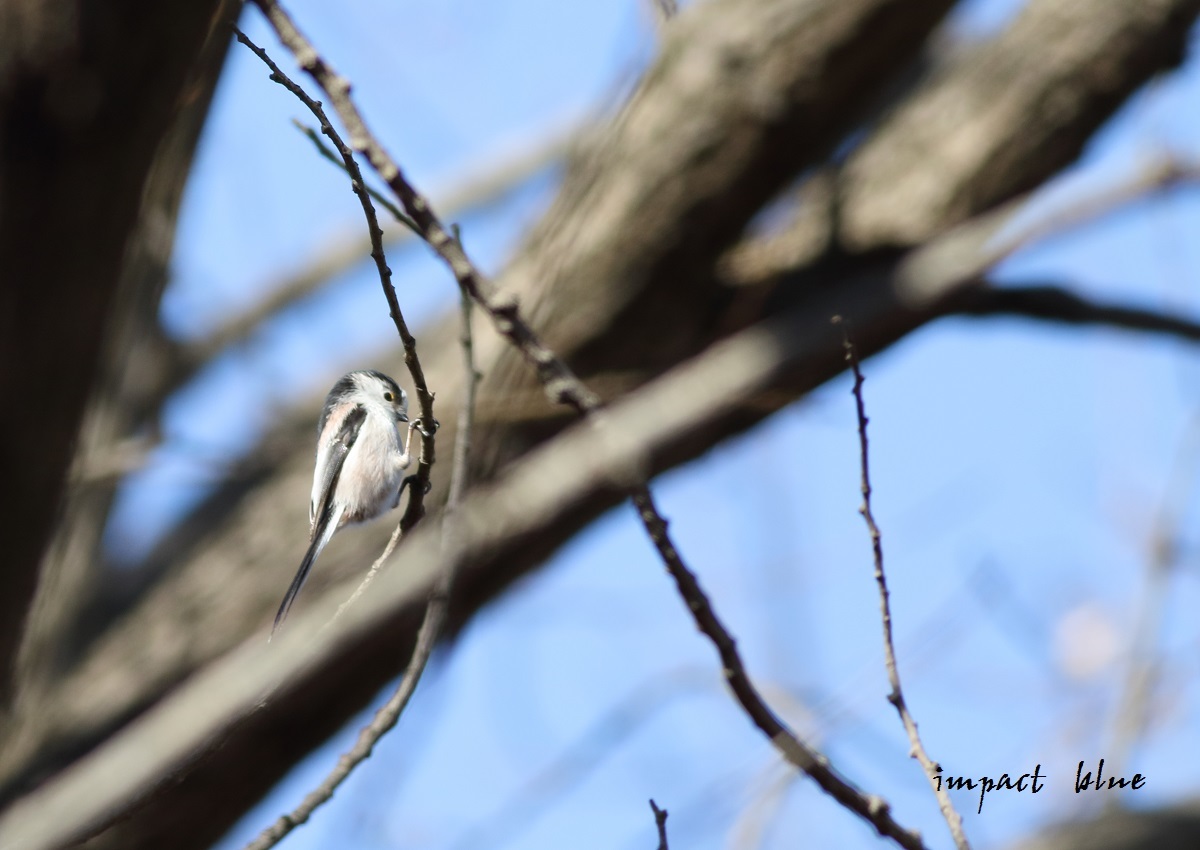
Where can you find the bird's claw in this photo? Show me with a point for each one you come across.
(419, 424)
(411, 480)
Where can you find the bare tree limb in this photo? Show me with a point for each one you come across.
(870, 808)
(431, 626)
(130, 367)
(896, 697)
(61, 161)
(560, 384)
(415, 509)
(964, 119)
(369, 577)
(1052, 302)
(660, 823)
(1154, 176)
(461, 466)
(885, 200)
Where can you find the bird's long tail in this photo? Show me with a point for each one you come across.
(327, 525)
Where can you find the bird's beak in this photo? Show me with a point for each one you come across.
(403, 417)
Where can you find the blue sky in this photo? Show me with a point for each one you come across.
(1019, 471)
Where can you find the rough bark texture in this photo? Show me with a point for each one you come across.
(129, 387)
(622, 277)
(1005, 117)
(87, 93)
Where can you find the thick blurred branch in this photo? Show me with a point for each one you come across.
(1053, 302)
(85, 103)
(1058, 63)
(128, 386)
(1156, 175)
(989, 124)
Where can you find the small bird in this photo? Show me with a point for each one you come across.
(360, 462)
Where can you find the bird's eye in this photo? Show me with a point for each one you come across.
(388, 397)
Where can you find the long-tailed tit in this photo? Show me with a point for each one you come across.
(361, 460)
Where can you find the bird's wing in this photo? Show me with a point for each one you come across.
(324, 511)
(331, 457)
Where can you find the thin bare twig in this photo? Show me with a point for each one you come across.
(660, 821)
(896, 697)
(560, 384)
(1157, 175)
(458, 469)
(563, 387)
(416, 499)
(389, 714)
(327, 153)
(871, 808)
(462, 443)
